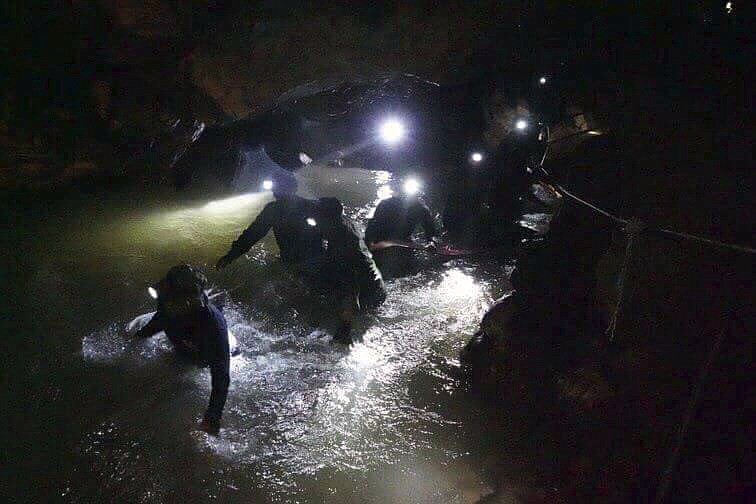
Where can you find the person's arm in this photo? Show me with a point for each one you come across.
(371, 230)
(427, 220)
(220, 379)
(253, 234)
(154, 326)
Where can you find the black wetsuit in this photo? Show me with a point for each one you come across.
(351, 265)
(297, 240)
(396, 218)
(483, 204)
(202, 335)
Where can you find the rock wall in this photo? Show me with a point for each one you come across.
(110, 93)
(614, 406)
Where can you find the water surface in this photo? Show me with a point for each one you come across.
(101, 416)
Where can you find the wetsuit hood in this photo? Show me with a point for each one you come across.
(182, 290)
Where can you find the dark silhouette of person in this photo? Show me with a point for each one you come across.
(291, 218)
(197, 329)
(394, 221)
(349, 265)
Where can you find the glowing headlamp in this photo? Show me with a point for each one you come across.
(476, 157)
(152, 291)
(411, 186)
(392, 131)
(267, 185)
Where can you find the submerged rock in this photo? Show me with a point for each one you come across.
(585, 388)
(495, 358)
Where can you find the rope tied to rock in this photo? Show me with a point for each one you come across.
(658, 230)
(633, 229)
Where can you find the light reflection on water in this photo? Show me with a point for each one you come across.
(304, 417)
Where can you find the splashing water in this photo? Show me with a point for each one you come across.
(307, 420)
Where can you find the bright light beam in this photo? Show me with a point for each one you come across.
(228, 205)
(152, 292)
(521, 124)
(411, 186)
(392, 131)
(267, 185)
(476, 157)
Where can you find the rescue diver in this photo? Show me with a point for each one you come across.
(486, 198)
(389, 233)
(290, 217)
(397, 217)
(349, 265)
(197, 329)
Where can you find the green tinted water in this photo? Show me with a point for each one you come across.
(96, 416)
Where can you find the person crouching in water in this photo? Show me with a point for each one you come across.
(290, 217)
(389, 233)
(349, 264)
(197, 329)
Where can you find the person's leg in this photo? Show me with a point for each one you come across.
(348, 306)
(371, 296)
(396, 262)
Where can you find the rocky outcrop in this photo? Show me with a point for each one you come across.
(614, 406)
(132, 70)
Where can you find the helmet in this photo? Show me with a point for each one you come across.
(182, 288)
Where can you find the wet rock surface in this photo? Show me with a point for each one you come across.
(613, 406)
(129, 71)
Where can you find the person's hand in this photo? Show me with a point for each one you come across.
(432, 244)
(222, 262)
(212, 428)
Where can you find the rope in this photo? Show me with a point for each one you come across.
(591, 206)
(633, 229)
(690, 410)
(709, 241)
(663, 231)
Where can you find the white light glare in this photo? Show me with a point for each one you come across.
(476, 157)
(392, 131)
(232, 204)
(267, 185)
(458, 285)
(152, 292)
(304, 158)
(729, 7)
(384, 192)
(521, 124)
(542, 80)
(311, 222)
(411, 186)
